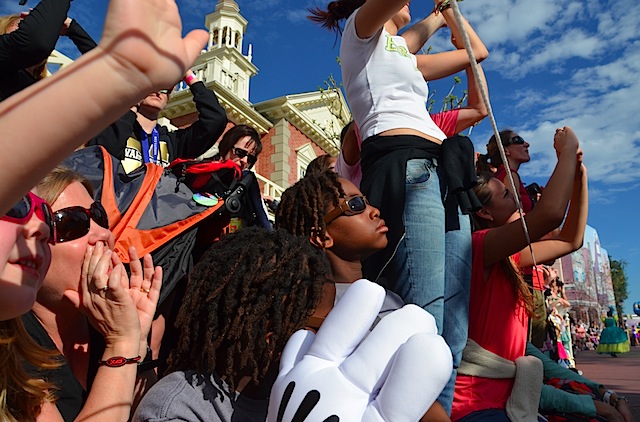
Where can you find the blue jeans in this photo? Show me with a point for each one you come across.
(433, 269)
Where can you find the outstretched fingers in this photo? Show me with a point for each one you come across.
(344, 329)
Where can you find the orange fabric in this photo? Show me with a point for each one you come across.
(108, 195)
(124, 226)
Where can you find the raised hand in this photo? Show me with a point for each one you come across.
(144, 37)
(394, 374)
(103, 297)
(144, 290)
(565, 139)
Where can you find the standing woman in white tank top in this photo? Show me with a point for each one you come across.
(387, 91)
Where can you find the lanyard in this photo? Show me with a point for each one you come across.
(155, 145)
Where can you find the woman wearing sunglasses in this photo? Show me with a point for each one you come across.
(240, 144)
(88, 309)
(517, 151)
(488, 389)
(25, 256)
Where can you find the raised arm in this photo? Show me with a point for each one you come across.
(142, 50)
(36, 36)
(571, 236)
(504, 241)
(418, 34)
(373, 14)
(475, 109)
(440, 65)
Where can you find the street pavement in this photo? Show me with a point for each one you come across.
(620, 374)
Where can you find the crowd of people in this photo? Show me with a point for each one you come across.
(396, 283)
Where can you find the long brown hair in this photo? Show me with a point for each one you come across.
(336, 11)
(22, 395)
(521, 288)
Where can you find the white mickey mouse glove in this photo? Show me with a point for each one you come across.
(393, 375)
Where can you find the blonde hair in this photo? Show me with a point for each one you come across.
(521, 288)
(6, 22)
(22, 395)
(57, 181)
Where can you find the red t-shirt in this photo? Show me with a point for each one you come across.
(497, 322)
(527, 205)
(538, 278)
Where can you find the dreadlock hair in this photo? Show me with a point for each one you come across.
(320, 164)
(492, 157)
(249, 284)
(303, 206)
(521, 288)
(336, 11)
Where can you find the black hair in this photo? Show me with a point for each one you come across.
(248, 286)
(336, 11)
(304, 205)
(236, 133)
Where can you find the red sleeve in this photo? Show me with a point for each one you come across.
(446, 121)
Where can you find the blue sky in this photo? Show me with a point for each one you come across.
(552, 63)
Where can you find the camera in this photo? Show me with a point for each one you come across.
(533, 190)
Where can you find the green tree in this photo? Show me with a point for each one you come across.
(619, 278)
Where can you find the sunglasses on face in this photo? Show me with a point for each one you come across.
(164, 91)
(241, 153)
(350, 206)
(74, 222)
(22, 211)
(516, 140)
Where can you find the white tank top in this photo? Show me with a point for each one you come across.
(384, 87)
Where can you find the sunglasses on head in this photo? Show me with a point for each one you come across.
(74, 222)
(349, 206)
(31, 203)
(241, 153)
(516, 140)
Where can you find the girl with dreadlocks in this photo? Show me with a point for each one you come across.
(247, 295)
(501, 301)
(402, 147)
(332, 212)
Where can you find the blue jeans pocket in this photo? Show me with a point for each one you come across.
(418, 173)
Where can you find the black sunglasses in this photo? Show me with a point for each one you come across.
(517, 140)
(241, 153)
(22, 211)
(74, 222)
(350, 206)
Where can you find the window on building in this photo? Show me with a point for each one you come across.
(305, 154)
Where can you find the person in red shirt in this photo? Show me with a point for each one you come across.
(501, 302)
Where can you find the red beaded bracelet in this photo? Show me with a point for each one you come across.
(118, 361)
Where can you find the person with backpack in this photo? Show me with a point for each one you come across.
(137, 138)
